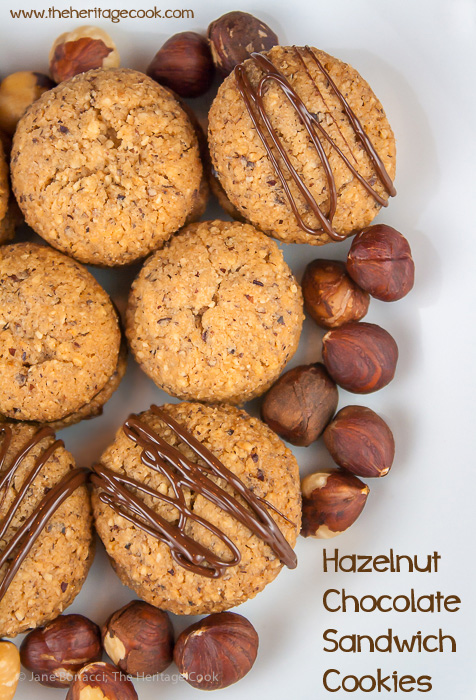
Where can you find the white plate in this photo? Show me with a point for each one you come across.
(418, 55)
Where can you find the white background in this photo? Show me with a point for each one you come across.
(418, 55)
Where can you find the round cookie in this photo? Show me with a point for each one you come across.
(106, 166)
(4, 186)
(216, 314)
(54, 570)
(252, 452)
(246, 170)
(59, 334)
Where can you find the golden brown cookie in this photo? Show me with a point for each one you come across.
(53, 570)
(331, 142)
(251, 452)
(59, 334)
(116, 167)
(216, 314)
(95, 406)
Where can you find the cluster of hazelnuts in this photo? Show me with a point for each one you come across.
(139, 639)
(186, 63)
(359, 357)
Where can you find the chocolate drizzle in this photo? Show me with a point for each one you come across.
(281, 161)
(157, 454)
(18, 547)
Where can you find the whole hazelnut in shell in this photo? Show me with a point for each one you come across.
(300, 404)
(360, 357)
(235, 36)
(380, 261)
(9, 669)
(17, 92)
(57, 651)
(83, 49)
(101, 681)
(331, 297)
(184, 64)
(360, 441)
(332, 500)
(217, 651)
(139, 639)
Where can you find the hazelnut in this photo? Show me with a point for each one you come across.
(9, 669)
(17, 92)
(217, 651)
(380, 261)
(139, 639)
(360, 357)
(235, 36)
(301, 403)
(331, 297)
(332, 500)
(81, 50)
(101, 681)
(56, 652)
(184, 64)
(360, 441)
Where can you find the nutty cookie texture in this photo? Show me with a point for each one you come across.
(250, 450)
(59, 335)
(106, 166)
(345, 181)
(54, 570)
(216, 314)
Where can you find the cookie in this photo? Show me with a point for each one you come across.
(217, 190)
(106, 166)
(59, 334)
(45, 525)
(95, 406)
(302, 146)
(216, 314)
(4, 185)
(236, 486)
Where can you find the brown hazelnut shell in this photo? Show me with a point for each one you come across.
(217, 651)
(235, 36)
(380, 261)
(360, 441)
(139, 639)
(332, 501)
(331, 297)
(57, 651)
(300, 404)
(113, 683)
(360, 357)
(184, 64)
